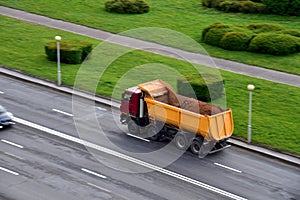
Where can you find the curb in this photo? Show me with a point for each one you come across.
(115, 104)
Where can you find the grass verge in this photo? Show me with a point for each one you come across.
(185, 16)
(276, 109)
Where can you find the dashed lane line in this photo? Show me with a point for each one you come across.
(9, 171)
(12, 143)
(229, 168)
(62, 112)
(93, 173)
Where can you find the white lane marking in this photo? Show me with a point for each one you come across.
(1, 92)
(98, 187)
(131, 159)
(13, 155)
(13, 144)
(226, 167)
(102, 109)
(140, 138)
(62, 112)
(93, 173)
(9, 171)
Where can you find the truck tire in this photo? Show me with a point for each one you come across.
(133, 128)
(152, 133)
(181, 141)
(195, 146)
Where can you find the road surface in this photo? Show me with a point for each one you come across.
(53, 163)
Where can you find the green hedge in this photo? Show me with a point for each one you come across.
(263, 28)
(280, 7)
(127, 6)
(206, 87)
(274, 43)
(71, 52)
(245, 6)
(283, 7)
(213, 34)
(236, 41)
(279, 41)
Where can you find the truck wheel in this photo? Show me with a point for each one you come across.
(133, 128)
(195, 146)
(181, 141)
(152, 133)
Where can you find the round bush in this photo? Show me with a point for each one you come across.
(292, 32)
(127, 6)
(274, 43)
(230, 6)
(263, 28)
(251, 7)
(215, 25)
(237, 41)
(215, 34)
(206, 3)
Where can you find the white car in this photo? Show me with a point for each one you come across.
(6, 118)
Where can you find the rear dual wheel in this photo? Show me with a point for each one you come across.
(181, 141)
(195, 147)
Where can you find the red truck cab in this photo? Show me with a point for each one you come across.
(130, 103)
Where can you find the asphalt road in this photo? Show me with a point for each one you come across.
(54, 167)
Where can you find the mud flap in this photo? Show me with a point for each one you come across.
(206, 147)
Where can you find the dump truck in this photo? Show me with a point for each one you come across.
(153, 110)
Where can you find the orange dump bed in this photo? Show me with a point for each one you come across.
(217, 126)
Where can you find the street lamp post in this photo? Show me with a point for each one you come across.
(250, 88)
(58, 38)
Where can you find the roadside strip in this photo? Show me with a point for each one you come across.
(128, 158)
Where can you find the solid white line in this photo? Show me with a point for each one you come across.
(98, 187)
(232, 169)
(13, 155)
(94, 173)
(13, 144)
(140, 138)
(131, 159)
(62, 112)
(9, 171)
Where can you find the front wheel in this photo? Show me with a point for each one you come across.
(133, 128)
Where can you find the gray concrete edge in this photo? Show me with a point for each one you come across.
(294, 160)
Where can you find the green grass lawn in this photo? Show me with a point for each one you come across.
(276, 108)
(185, 16)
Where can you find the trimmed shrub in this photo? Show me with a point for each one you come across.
(215, 25)
(70, 52)
(241, 6)
(263, 28)
(207, 87)
(274, 43)
(251, 7)
(292, 32)
(230, 6)
(237, 41)
(214, 35)
(127, 6)
(206, 3)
